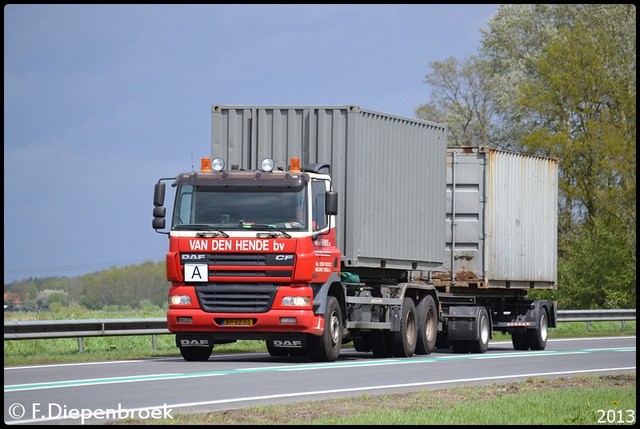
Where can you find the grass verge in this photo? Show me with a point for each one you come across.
(582, 400)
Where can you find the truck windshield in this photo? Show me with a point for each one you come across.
(201, 207)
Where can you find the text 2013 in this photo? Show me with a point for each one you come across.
(616, 416)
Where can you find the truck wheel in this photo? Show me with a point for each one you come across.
(326, 347)
(380, 343)
(196, 354)
(482, 343)
(460, 346)
(427, 326)
(520, 341)
(361, 344)
(537, 338)
(442, 340)
(403, 342)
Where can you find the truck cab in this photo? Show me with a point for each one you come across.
(252, 255)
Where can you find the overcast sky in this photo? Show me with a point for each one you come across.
(100, 101)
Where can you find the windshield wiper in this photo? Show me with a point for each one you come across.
(273, 234)
(214, 232)
(194, 226)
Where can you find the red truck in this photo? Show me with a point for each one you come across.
(311, 227)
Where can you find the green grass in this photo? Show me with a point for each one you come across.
(581, 400)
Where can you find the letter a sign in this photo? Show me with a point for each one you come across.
(196, 273)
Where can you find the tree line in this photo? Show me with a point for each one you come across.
(133, 286)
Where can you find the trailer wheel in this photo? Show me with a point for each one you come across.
(460, 346)
(537, 338)
(196, 354)
(520, 341)
(326, 347)
(403, 342)
(482, 343)
(427, 326)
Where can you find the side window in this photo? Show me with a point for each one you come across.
(318, 189)
(182, 210)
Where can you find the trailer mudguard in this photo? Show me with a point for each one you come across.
(463, 323)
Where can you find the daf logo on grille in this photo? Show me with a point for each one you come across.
(193, 256)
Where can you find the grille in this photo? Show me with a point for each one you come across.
(231, 298)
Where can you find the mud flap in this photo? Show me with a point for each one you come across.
(289, 341)
(195, 339)
(463, 323)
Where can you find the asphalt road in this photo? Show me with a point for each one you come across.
(162, 387)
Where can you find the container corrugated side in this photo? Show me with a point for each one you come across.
(389, 172)
(504, 213)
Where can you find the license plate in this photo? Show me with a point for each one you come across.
(238, 322)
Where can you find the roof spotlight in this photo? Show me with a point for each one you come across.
(217, 164)
(267, 164)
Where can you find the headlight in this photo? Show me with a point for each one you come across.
(296, 301)
(179, 300)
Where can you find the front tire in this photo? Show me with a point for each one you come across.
(326, 347)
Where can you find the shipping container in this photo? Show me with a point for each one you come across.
(501, 219)
(389, 172)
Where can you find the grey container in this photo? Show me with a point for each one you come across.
(504, 212)
(389, 172)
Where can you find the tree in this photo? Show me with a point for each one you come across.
(560, 81)
(582, 108)
(568, 74)
(462, 95)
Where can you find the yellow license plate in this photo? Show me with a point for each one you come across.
(238, 322)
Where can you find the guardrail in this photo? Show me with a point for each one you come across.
(80, 328)
(43, 329)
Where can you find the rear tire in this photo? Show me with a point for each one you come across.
(361, 344)
(442, 340)
(460, 346)
(326, 347)
(520, 341)
(537, 338)
(427, 326)
(484, 332)
(380, 343)
(403, 342)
